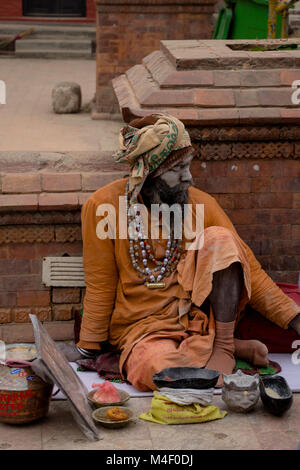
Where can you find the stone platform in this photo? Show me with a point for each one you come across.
(214, 82)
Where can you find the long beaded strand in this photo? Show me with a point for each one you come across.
(138, 242)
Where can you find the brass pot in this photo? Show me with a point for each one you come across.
(25, 397)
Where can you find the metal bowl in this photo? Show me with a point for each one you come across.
(21, 352)
(124, 398)
(270, 387)
(99, 415)
(186, 377)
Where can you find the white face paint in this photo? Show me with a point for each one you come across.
(179, 173)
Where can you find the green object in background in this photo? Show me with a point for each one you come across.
(248, 20)
(251, 20)
(223, 23)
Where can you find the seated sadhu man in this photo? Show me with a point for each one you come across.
(159, 301)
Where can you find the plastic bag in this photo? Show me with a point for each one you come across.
(164, 411)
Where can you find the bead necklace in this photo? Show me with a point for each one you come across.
(139, 248)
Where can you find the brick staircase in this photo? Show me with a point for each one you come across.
(53, 41)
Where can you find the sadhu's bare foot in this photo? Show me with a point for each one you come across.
(251, 350)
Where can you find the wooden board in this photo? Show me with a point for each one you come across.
(65, 378)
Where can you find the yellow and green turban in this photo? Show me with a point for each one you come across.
(146, 148)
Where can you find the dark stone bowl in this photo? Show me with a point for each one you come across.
(186, 377)
(276, 406)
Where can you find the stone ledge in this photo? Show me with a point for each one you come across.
(41, 218)
(228, 53)
(165, 75)
(24, 202)
(57, 162)
(58, 201)
(64, 189)
(23, 333)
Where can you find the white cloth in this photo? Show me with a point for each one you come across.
(187, 396)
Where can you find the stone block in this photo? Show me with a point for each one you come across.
(5, 315)
(263, 232)
(23, 333)
(26, 282)
(60, 330)
(43, 313)
(286, 185)
(68, 233)
(66, 98)
(33, 298)
(245, 98)
(21, 314)
(289, 76)
(94, 181)
(21, 183)
(296, 200)
(65, 295)
(62, 312)
(283, 216)
(275, 97)
(215, 98)
(8, 299)
(55, 201)
(58, 182)
(20, 202)
(296, 232)
(272, 200)
(260, 78)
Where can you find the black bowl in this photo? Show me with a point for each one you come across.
(276, 406)
(186, 377)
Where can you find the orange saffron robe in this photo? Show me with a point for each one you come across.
(118, 307)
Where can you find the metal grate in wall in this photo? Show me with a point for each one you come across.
(63, 271)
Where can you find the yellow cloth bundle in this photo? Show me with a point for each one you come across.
(164, 411)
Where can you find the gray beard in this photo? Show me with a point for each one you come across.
(157, 191)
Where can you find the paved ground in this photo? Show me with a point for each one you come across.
(27, 119)
(253, 431)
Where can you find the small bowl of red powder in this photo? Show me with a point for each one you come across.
(106, 394)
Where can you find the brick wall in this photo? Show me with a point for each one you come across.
(12, 10)
(128, 32)
(262, 199)
(91, 9)
(40, 216)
